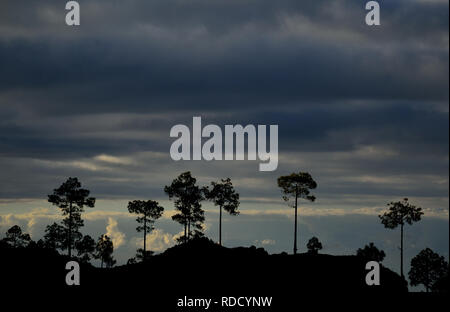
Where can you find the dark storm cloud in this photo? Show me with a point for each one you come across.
(257, 74)
(148, 50)
(119, 82)
(197, 56)
(222, 16)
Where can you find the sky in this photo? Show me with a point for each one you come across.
(363, 109)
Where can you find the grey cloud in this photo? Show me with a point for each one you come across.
(157, 64)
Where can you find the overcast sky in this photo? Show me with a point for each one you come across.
(363, 109)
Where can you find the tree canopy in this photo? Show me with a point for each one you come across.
(85, 248)
(15, 238)
(399, 213)
(105, 249)
(427, 268)
(314, 245)
(224, 195)
(55, 236)
(371, 253)
(297, 185)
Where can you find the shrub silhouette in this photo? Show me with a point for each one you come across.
(371, 253)
(314, 245)
(143, 255)
(16, 239)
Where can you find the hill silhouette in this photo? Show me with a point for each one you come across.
(208, 268)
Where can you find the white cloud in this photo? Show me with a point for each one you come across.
(113, 159)
(265, 242)
(103, 214)
(157, 241)
(28, 221)
(116, 235)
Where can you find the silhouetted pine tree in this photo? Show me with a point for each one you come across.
(148, 212)
(72, 199)
(222, 194)
(297, 186)
(401, 213)
(187, 197)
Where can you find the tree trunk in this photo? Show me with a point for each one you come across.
(220, 226)
(185, 230)
(401, 250)
(145, 237)
(189, 229)
(70, 231)
(295, 227)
